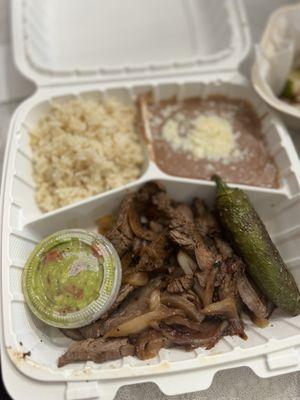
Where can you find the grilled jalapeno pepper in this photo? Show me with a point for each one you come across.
(252, 241)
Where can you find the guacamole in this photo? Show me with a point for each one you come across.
(63, 279)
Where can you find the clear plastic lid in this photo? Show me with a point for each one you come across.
(71, 278)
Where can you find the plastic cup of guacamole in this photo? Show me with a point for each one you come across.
(71, 278)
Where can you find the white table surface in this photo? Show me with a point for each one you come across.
(235, 384)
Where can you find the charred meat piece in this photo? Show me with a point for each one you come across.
(228, 309)
(209, 287)
(74, 334)
(183, 321)
(205, 256)
(173, 271)
(199, 208)
(154, 255)
(149, 343)
(250, 298)
(186, 211)
(123, 293)
(136, 226)
(209, 332)
(146, 192)
(180, 302)
(235, 265)
(204, 220)
(223, 248)
(201, 277)
(218, 334)
(228, 287)
(156, 226)
(180, 284)
(97, 350)
(189, 340)
(190, 295)
(207, 224)
(221, 273)
(120, 234)
(234, 269)
(126, 260)
(205, 286)
(183, 231)
(93, 330)
(138, 246)
(163, 204)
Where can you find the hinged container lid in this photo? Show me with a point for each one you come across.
(72, 41)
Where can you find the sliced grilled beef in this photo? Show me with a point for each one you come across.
(126, 260)
(121, 235)
(125, 291)
(250, 298)
(183, 285)
(210, 331)
(136, 226)
(228, 287)
(223, 248)
(235, 265)
(201, 277)
(149, 343)
(227, 308)
(209, 287)
(154, 255)
(204, 220)
(74, 334)
(199, 208)
(180, 284)
(163, 204)
(156, 226)
(218, 334)
(183, 321)
(183, 231)
(145, 194)
(182, 303)
(186, 211)
(97, 350)
(136, 305)
(205, 256)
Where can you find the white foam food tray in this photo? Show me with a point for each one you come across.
(270, 351)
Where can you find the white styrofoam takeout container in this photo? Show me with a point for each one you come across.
(168, 48)
(274, 56)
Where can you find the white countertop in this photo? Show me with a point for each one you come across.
(233, 384)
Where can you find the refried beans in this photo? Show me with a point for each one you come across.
(196, 138)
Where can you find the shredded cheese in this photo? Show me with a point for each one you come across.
(210, 137)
